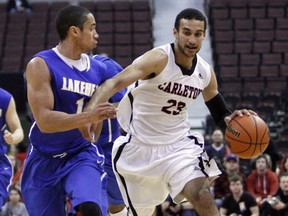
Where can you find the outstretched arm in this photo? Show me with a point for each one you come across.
(152, 61)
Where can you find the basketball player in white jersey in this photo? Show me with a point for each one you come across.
(160, 155)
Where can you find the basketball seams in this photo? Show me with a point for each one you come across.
(244, 129)
(256, 132)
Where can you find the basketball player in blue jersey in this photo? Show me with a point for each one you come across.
(110, 131)
(160, 155)
(11, 133)
(60, 162)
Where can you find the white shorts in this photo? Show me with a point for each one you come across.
(148, 173)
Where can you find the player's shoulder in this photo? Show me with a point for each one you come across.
(105, 59)
(101, 58)
(109, 62)
(4, 93)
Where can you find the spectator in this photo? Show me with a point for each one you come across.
(218, 149)
(14, 207)
(239, 202)
(221, 184)
(283, 167)
(278, 204)
(262, 182)
(14, 6)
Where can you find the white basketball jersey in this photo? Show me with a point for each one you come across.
(154, 111)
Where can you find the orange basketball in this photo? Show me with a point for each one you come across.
(247, 136)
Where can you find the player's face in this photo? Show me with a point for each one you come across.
(89, 36)
(190, 36)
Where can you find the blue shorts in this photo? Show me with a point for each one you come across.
(48, 181)
(6, 173)
(113, 192)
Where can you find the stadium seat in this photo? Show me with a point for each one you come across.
(227, 59)
(238, 13)
(276, 83)
(276, 12)
(283, 70)
(261, 47)
(223, 48)
(249, 59)
(219, 13)
(244, 35)
(122, 51)
(248, 71)
(269, 70)
(228, 71)
(140, 5)
(243, 24)
(271, 58)
(142, 38)
(265, 23)
(90, 5)
(243, 47)
(253, 83)
(282, 23)
(264, 35)
(257, 12)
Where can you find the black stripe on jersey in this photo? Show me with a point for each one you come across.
(117, 156)
(201, 165)
(131, 98)
(201, 161)
(196, 141)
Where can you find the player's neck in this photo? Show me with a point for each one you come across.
(181, 59)
(68, 51)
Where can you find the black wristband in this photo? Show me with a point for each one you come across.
(218, 110)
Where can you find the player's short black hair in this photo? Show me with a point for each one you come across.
(190, 13)
(70, 16)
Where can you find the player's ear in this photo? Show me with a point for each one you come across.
(175, 33)
(74, 31)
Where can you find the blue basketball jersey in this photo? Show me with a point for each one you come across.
(5, 98)
(72, 90)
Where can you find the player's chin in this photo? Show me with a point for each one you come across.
(93, 45)
(191, 52)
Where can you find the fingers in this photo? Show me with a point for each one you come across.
(104, 111)
(8, 137)
(240, 113)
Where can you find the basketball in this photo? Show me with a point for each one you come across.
(247, 136)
